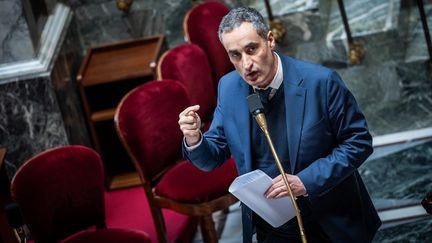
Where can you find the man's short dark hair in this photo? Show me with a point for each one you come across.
(243, 14)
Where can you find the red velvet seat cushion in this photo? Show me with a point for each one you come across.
(129, 208)
(186, 183)
(109, 235)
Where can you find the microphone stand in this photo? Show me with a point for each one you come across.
(15, 221)
(261, 120)
(20, 235)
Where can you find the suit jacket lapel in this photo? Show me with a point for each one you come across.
(294, 108)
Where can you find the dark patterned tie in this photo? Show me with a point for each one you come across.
(264, 95)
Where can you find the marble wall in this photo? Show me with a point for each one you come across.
(31, 120)
(15, 41)
(100, 21)
(401, 177)
(40, 107)
(281, 8)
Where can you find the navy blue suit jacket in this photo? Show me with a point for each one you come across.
(328, 140)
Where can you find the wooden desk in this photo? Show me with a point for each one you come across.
(2, 156)
(108, 73)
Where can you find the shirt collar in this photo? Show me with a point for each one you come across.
(278, 78)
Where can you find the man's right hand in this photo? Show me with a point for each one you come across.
(190, 124)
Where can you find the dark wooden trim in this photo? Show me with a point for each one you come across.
(424, 22)
(345, 21)
(36, 14)
(6, 232)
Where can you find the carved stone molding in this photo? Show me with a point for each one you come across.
(51, 39)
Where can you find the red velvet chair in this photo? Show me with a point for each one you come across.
(108, 236)
(61, 192)
(200, 26)
(146, 122)
(188, 64)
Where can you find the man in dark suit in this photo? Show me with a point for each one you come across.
(319, 132)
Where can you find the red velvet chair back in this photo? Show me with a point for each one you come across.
(188, 64)
(146, 121)
(200, 26)
(109, 236)
(60, 192)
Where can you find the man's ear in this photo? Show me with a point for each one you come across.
(271, 40)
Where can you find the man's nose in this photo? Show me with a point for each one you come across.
(247, 63)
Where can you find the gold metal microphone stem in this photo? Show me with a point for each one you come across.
(20, 235)
(260, 118)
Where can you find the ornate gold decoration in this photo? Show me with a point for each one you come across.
(278, 29)
(124, 5)
(195, 2)
(356, 53)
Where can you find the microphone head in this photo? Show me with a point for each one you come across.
(255, 105)
(13, 215)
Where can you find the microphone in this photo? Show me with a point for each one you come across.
(15, 221)
(257, 110)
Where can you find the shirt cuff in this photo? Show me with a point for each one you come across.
(190, 148)
(306, 194)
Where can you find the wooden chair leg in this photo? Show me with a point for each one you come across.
(208, 230)
(221, 220)
(159, 224)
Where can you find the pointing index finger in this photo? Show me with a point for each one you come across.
(187, 111)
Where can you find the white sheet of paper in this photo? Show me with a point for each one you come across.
(250, 188)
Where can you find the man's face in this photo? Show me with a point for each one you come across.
(251, 55)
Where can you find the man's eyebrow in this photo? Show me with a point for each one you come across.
(248, 45)
(251, 44)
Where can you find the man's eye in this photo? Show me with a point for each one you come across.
(251, 50)
(234, 55)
